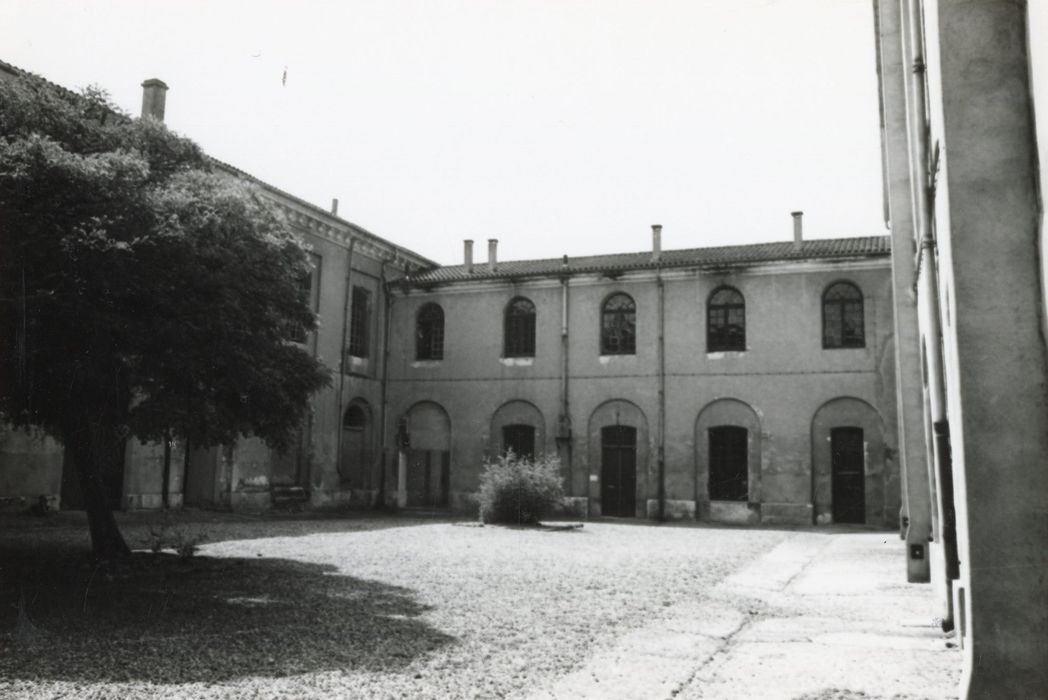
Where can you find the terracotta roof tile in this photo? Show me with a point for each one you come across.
(727, 256)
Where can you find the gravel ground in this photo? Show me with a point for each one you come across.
(339, 607)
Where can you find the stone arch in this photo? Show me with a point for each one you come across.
(429, 426)
(427, 473)
(357, 453)
(516, 412)
(620, 412)
(718, 413)
(849, 412)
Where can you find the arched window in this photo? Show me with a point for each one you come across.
(618, 327)
(725, 320)
(355, 418)
(843, 325)
(429, 333)
(519, 335)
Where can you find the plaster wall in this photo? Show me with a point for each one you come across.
(988, 216)
(30, 467)
(784, 374)
(914, 466)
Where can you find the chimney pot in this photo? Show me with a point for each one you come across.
(656, 242)
(798, 228)
(334, 206)
(493, 246)
(467, 255)
(154, 98)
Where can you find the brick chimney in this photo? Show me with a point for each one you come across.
(798, 228)
(656, 242)
(493, 248)
(154, 97)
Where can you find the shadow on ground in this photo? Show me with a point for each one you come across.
(206, 619)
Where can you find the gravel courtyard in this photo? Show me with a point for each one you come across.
(326, 607)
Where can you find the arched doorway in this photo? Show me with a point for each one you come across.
(851, 464)
(355, 466)
(428, 455)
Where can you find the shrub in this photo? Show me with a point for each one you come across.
(519, 491)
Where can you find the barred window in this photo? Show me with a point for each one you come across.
(725, 320)
(359, 321)
(843, 321)
(618, 331)
(429, 333)
(519, 332)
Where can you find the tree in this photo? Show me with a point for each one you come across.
(141, 294)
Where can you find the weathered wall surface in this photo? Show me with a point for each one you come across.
(30, 467)
(784, 374)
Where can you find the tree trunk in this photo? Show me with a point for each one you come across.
(94, 450)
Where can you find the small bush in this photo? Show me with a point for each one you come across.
(168, 534)
(519, 491)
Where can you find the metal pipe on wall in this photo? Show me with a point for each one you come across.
(928, 295)
(387, 309)
(342, 355)
(660, 286)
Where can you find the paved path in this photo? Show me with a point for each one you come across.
(822, 615)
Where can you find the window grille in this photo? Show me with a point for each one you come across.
(843, 321)
(725, 321)
(618, 326)
(359, 318)
(429, 333)
(519, 336)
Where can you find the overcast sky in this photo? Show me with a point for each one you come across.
(558, 127)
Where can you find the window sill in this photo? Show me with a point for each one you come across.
(608, 359)
(517, 361)
(426, 363)
(723, 354)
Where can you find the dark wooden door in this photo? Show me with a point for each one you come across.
(848, 475)
(618, 489)
(729, 464)
(429, 474)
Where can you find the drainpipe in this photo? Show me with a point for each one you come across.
(345, 345)
(564, 423)
(387, 317)
(661, 320)
(928, 300)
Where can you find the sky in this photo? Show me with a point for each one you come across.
(556, 126)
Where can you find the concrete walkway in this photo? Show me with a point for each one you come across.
(822, 615)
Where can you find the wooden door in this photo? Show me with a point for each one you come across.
(848, 475)
(618, 490)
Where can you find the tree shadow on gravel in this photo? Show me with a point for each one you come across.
(167, 620)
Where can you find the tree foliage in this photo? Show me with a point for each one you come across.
(141, 293)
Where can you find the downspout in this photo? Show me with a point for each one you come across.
(564, 423)
(387, 308)
(342, 355)
(661, 433)
(928, 286)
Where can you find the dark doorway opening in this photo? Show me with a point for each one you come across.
(729, 464)
(848, 475)
(618, 489)
(519, 438)
(428, 477)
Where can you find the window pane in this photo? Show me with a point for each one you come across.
(358, 322)
(619, 326)
(843, 317)
(519, 338)
(726, 321)
(429, 333)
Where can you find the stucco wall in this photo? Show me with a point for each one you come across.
(784, 374)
